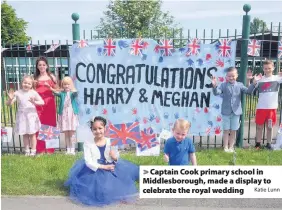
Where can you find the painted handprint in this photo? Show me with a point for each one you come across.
(145, 45)
(104, 111)
(152, 117)
(219, 63)
(200, 62)
(100, 51)
(182, 50)
(216, 106)
(217, 130)
(145, 120)
(210, 123)
(158, 120)
(197, 110)
(190, 62)
(166, 115)
(87, 111)
(134, 111)
(221, 79)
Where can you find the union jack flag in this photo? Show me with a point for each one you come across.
(224, 47)
(82, 44)
(136, 47)
(4, 132)
(193, 47)
(109, 47)
(52, 48)
(125, 133)
(166, 47)
(148, 139)
(280, 49)
(254, 47)
(47, 132)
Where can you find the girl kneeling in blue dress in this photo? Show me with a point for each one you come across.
(101, 178)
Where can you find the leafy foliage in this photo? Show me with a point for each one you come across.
(135, 19)
(13, 29)
(258, 26)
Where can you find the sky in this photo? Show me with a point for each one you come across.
(51, 20)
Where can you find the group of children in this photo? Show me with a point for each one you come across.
(101, 177)
(36, 106)
(231, 91)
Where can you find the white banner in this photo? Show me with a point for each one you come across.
(142, 84)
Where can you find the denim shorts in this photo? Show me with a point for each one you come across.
(231, 122)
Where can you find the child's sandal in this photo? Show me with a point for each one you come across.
(27, 152)
(32, 153)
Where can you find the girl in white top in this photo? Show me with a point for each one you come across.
(101, 177)
(27, 120)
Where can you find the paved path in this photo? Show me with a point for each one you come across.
(62, 203)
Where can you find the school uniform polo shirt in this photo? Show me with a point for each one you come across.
(178, 152)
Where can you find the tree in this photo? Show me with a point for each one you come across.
(258, 26)
(13, 29)
(134, 18)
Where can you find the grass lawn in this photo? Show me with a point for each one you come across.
(45, 175)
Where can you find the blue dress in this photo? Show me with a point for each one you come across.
(103, 187)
